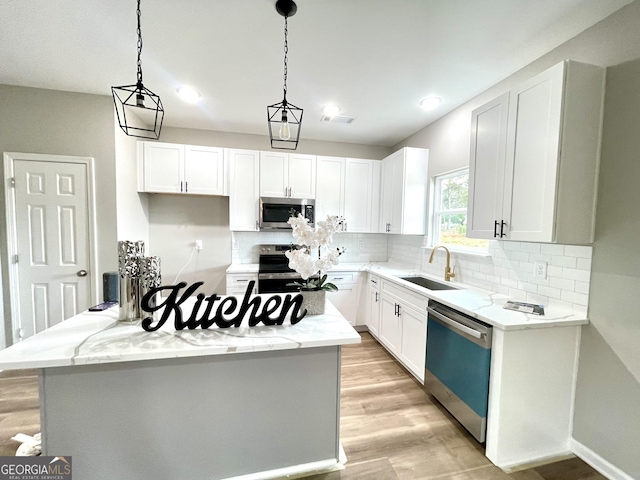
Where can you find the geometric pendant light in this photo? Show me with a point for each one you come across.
(284, 118)
(139, 110)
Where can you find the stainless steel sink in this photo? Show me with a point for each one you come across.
(429, 284)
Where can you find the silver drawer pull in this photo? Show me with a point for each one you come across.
(456, 325)
(338, 278)
(245, 280)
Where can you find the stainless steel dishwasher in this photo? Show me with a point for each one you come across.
(457, 365)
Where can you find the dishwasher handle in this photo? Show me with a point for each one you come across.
(458, 326)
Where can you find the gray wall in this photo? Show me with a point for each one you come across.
(608, 395)
(607, 409)
(52, 122)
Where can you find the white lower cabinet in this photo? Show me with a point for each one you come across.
(347, 298)
(372, 319)
(403, 326)
(237, 283)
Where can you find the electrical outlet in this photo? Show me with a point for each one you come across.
(198, 244)
(540, 270)
(361, 244)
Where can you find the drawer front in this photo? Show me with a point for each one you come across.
(237, 282)
(417, 301)
(342, 278)
(374, 282)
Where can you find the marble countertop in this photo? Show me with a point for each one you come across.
(481, 304)
(97, 337)
(473, 301)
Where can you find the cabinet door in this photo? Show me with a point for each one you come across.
(330, 187)
(274, 174)
(397, 195)
(388, 171)
(358, 195)
(373, 312)
(302, 176)
(375, 196)
(204, 170)
(346, 301)
(535, 111)
(486, 167)
(163, 167)
(414, 340)
(390, 325)
(244, 190)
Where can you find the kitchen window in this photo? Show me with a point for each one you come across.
(451, 192)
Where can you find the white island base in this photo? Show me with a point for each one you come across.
(207, 417)
(250, 403)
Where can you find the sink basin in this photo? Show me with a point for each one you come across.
(429, 284)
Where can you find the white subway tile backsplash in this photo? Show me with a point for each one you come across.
(554, 271)
(519, 256)
(574, 297)
(568, 275)
(552, 249)
(561, 261)
(578, 251)
(550, 292)
(530, 247)
(582, 287)
(562, 283)
(584, 264)
(574, 274)
(513, 246)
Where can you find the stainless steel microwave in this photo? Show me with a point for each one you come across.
(275, 212)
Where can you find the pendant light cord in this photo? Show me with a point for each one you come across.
(286, 53)
(139, 31)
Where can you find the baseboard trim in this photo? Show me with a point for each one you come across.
(597, 462)
(295, 471)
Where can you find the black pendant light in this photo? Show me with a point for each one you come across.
(284, 118)
(139, 110)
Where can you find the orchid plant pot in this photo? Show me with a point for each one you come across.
(313, 301)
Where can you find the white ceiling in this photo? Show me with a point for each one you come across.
(375, 58)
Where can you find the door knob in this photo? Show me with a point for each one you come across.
(82, 273)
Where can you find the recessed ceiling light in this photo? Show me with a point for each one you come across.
(331, 110)
(430, 103)
(188, 94)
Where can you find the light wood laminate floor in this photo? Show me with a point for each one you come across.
(390, 428)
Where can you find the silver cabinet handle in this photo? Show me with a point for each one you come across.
(376, 297)
(82, 273)
(181, 186)
(186, 187)
(241, 280)
(454, 324)
(289, 191)
(257, 226)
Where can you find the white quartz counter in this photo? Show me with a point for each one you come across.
(97, 337)
(478, 303)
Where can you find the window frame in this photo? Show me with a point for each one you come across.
(437, 212)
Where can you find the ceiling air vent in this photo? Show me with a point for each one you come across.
(336, 119)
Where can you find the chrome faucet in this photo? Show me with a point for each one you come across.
(448, 273)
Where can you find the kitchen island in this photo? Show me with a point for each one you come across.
(259, 402)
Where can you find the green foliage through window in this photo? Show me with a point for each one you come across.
(450, 212)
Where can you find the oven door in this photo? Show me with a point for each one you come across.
(277, 282)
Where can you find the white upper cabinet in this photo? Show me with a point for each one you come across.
(545, 168)
(204, 170)
(330, 184)
(486, 169)
(349, 187)
(404, 192)
(175, 168)
(244, 190)
(287, 175)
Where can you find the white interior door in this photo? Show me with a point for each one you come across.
(51, 251)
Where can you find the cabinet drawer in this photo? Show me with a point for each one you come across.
(417, 301)
(237, 283)
(374, 282)
(342, 278)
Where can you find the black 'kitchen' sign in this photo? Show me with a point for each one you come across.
(225, 314)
